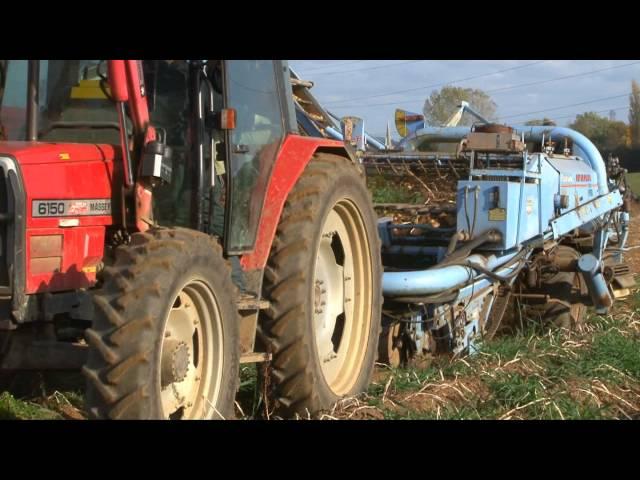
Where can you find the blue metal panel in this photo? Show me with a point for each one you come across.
(585, 213)
(501, 214)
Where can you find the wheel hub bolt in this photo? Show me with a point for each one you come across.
(175, 362)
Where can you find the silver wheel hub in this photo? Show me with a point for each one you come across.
(341, 300)
(175, 361)
(191, 355)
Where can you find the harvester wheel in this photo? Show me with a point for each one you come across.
(164, 342)
(566, 291)
(323, 281)
(390, 348)
(565, 309)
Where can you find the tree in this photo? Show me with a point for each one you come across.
(441, 105)
(634, 114)
(544, 122)
(605, 134)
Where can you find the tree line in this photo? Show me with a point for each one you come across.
(608, 134)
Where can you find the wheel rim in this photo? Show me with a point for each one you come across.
(392, 343)
(578, 308)
(191, 356)
(342, 297)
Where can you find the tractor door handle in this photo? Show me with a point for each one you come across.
(241, 149)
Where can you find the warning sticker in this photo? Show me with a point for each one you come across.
(497, 214)
(529, 206)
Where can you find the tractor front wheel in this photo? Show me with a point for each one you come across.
(164, 343)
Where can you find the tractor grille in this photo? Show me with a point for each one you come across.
(11, 229)
(5, 216)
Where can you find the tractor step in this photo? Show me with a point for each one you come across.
(250, 302)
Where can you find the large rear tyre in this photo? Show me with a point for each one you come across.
(323, 281)
(164, 343)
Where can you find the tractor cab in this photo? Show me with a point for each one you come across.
(222, 121)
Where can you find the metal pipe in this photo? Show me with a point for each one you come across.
(583, 147)
(590, 268)
(437, 279)
(373, 142)
(332, 132)
(492, 236)
(33, 80)
(412, 250)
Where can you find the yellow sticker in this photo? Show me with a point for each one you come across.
(64, 156)
(497, 214)
(88, 90)
(529, 207)
(89, 269)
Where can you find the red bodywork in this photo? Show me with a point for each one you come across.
(63, 257)
(291, 161)
(62, 252)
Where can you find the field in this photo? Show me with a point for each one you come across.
(535, 374)
(634, 182)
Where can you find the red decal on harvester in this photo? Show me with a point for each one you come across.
(580, 177)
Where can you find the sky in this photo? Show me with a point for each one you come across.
(522, 89)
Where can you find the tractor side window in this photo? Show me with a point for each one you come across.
(73, 102)
(252, 90)
(13, 111)
(167, 81)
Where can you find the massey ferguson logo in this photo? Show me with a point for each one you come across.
(78, 208)
(71, 208)
(580, 177)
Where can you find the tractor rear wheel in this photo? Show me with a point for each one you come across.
(323, 281)
(164, 342)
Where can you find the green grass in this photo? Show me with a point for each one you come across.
(537, 373)
(14, 409)
(385, 191)
(634, 182)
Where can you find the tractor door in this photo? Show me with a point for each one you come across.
(260, 93)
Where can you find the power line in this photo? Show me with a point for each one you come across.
(502, 89)
(561, 78)
(332, 65)
(370, 68)
(439, 84)
(581, 113)
(563, 106)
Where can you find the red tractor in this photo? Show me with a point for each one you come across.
(162, 222)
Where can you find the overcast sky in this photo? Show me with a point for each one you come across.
(363, 87)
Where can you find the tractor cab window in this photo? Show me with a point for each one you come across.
(252, 90)
(167, 84)
(173, 109)
(73, 102)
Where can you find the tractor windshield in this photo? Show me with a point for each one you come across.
(73, 103)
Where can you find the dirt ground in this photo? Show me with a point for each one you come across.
(538, 374)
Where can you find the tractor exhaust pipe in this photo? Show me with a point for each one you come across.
(33, 79)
